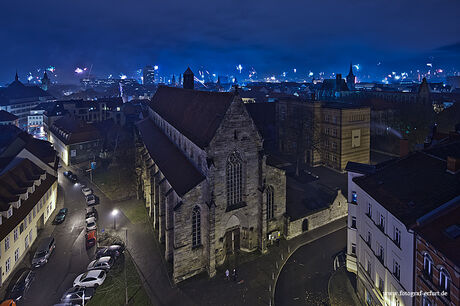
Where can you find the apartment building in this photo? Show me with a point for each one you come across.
(27, 199)
(386, 203)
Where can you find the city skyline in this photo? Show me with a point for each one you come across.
(219, 37)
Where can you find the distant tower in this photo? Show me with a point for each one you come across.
(351, 78)
(16, 78)
(173, 81)
(46, 82)
(149, 75)
(189, 79)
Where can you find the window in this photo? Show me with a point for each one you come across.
(369, 210)
(368, 298)
(369, 239)
(353, 248)
(428, 266)
(234, 179)
(426, 301)
(354, 197)
(397, 236)
(369, 267)
(26, 242)
(353, 222)
(8, 265)
(15, 234)
(35, 211)
(7, 243)
(382, 223)
(196, 226)
(270, 205)
(30, 218)
(381, 255)
(396, 269)
(444, 280)
(16, 255)
(10, 212)
(25, 222)
(381, 285)
(30, 235)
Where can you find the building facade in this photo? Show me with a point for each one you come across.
(386, 204)
(205, 180)
(27, 199)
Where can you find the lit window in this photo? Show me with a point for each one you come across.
(444, 280)
(234, 179)
(427, 265)
(196, 226)
(270, 202)
(396, 269)
(354, 197)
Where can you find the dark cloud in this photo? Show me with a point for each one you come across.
(120, 36)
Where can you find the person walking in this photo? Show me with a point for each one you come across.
(227, 274)
(235, 276)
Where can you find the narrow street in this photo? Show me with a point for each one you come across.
(304, 278)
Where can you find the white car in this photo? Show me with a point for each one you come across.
(91, 224)
(103, 263)
(93, 278)
(86, 191)
(90, 200)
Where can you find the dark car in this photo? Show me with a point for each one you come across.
(73, 178)
(77, 294)
(60, 217)
(112, 251)
(22, 284)
(92, 214)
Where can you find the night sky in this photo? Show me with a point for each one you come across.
(120, 36)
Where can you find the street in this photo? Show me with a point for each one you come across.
(70, 257)
(304, 278)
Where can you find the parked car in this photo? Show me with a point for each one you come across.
(91, 239)
(90, 200)
(91, 212)
(112, 251)
(93, 278)
(68, 173)
(21, 285)
(60, 217)
(43, 252)
(76, 294)
(103, 263)
(91, 224)
(86, 191)
(73, 178)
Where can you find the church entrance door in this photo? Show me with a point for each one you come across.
(232, 241)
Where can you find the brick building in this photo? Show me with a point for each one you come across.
(438, 258)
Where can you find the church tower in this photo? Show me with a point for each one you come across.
(46, 82)
(189, 79)
(351, 78)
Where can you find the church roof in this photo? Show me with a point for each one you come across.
(178, 170)
(196, 114)
(188, 71)
(17, 90)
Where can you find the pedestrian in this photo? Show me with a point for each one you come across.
(235, 276)
(227, 274)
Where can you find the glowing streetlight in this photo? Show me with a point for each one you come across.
(114, 215)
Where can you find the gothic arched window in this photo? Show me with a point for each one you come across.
(234, 179)
(196, 226)
(269, 192)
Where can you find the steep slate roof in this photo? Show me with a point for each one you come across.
(77, 130)
(196, 114)
(411, 187)
(178, 170)
(8, 224)
(6, 116)
(17, 91)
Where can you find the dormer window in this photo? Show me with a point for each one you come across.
(10, 212)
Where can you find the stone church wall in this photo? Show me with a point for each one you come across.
(337, 210)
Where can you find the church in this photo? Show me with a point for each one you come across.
(205, 179)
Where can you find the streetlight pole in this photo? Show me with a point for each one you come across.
(114, 214)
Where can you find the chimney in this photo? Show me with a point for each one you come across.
(403, 147)
(338, 76)
(453, 164)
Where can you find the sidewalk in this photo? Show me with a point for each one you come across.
(340, 288)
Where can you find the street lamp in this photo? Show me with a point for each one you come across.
(114, 214)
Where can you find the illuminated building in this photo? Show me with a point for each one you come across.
(149, 74)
